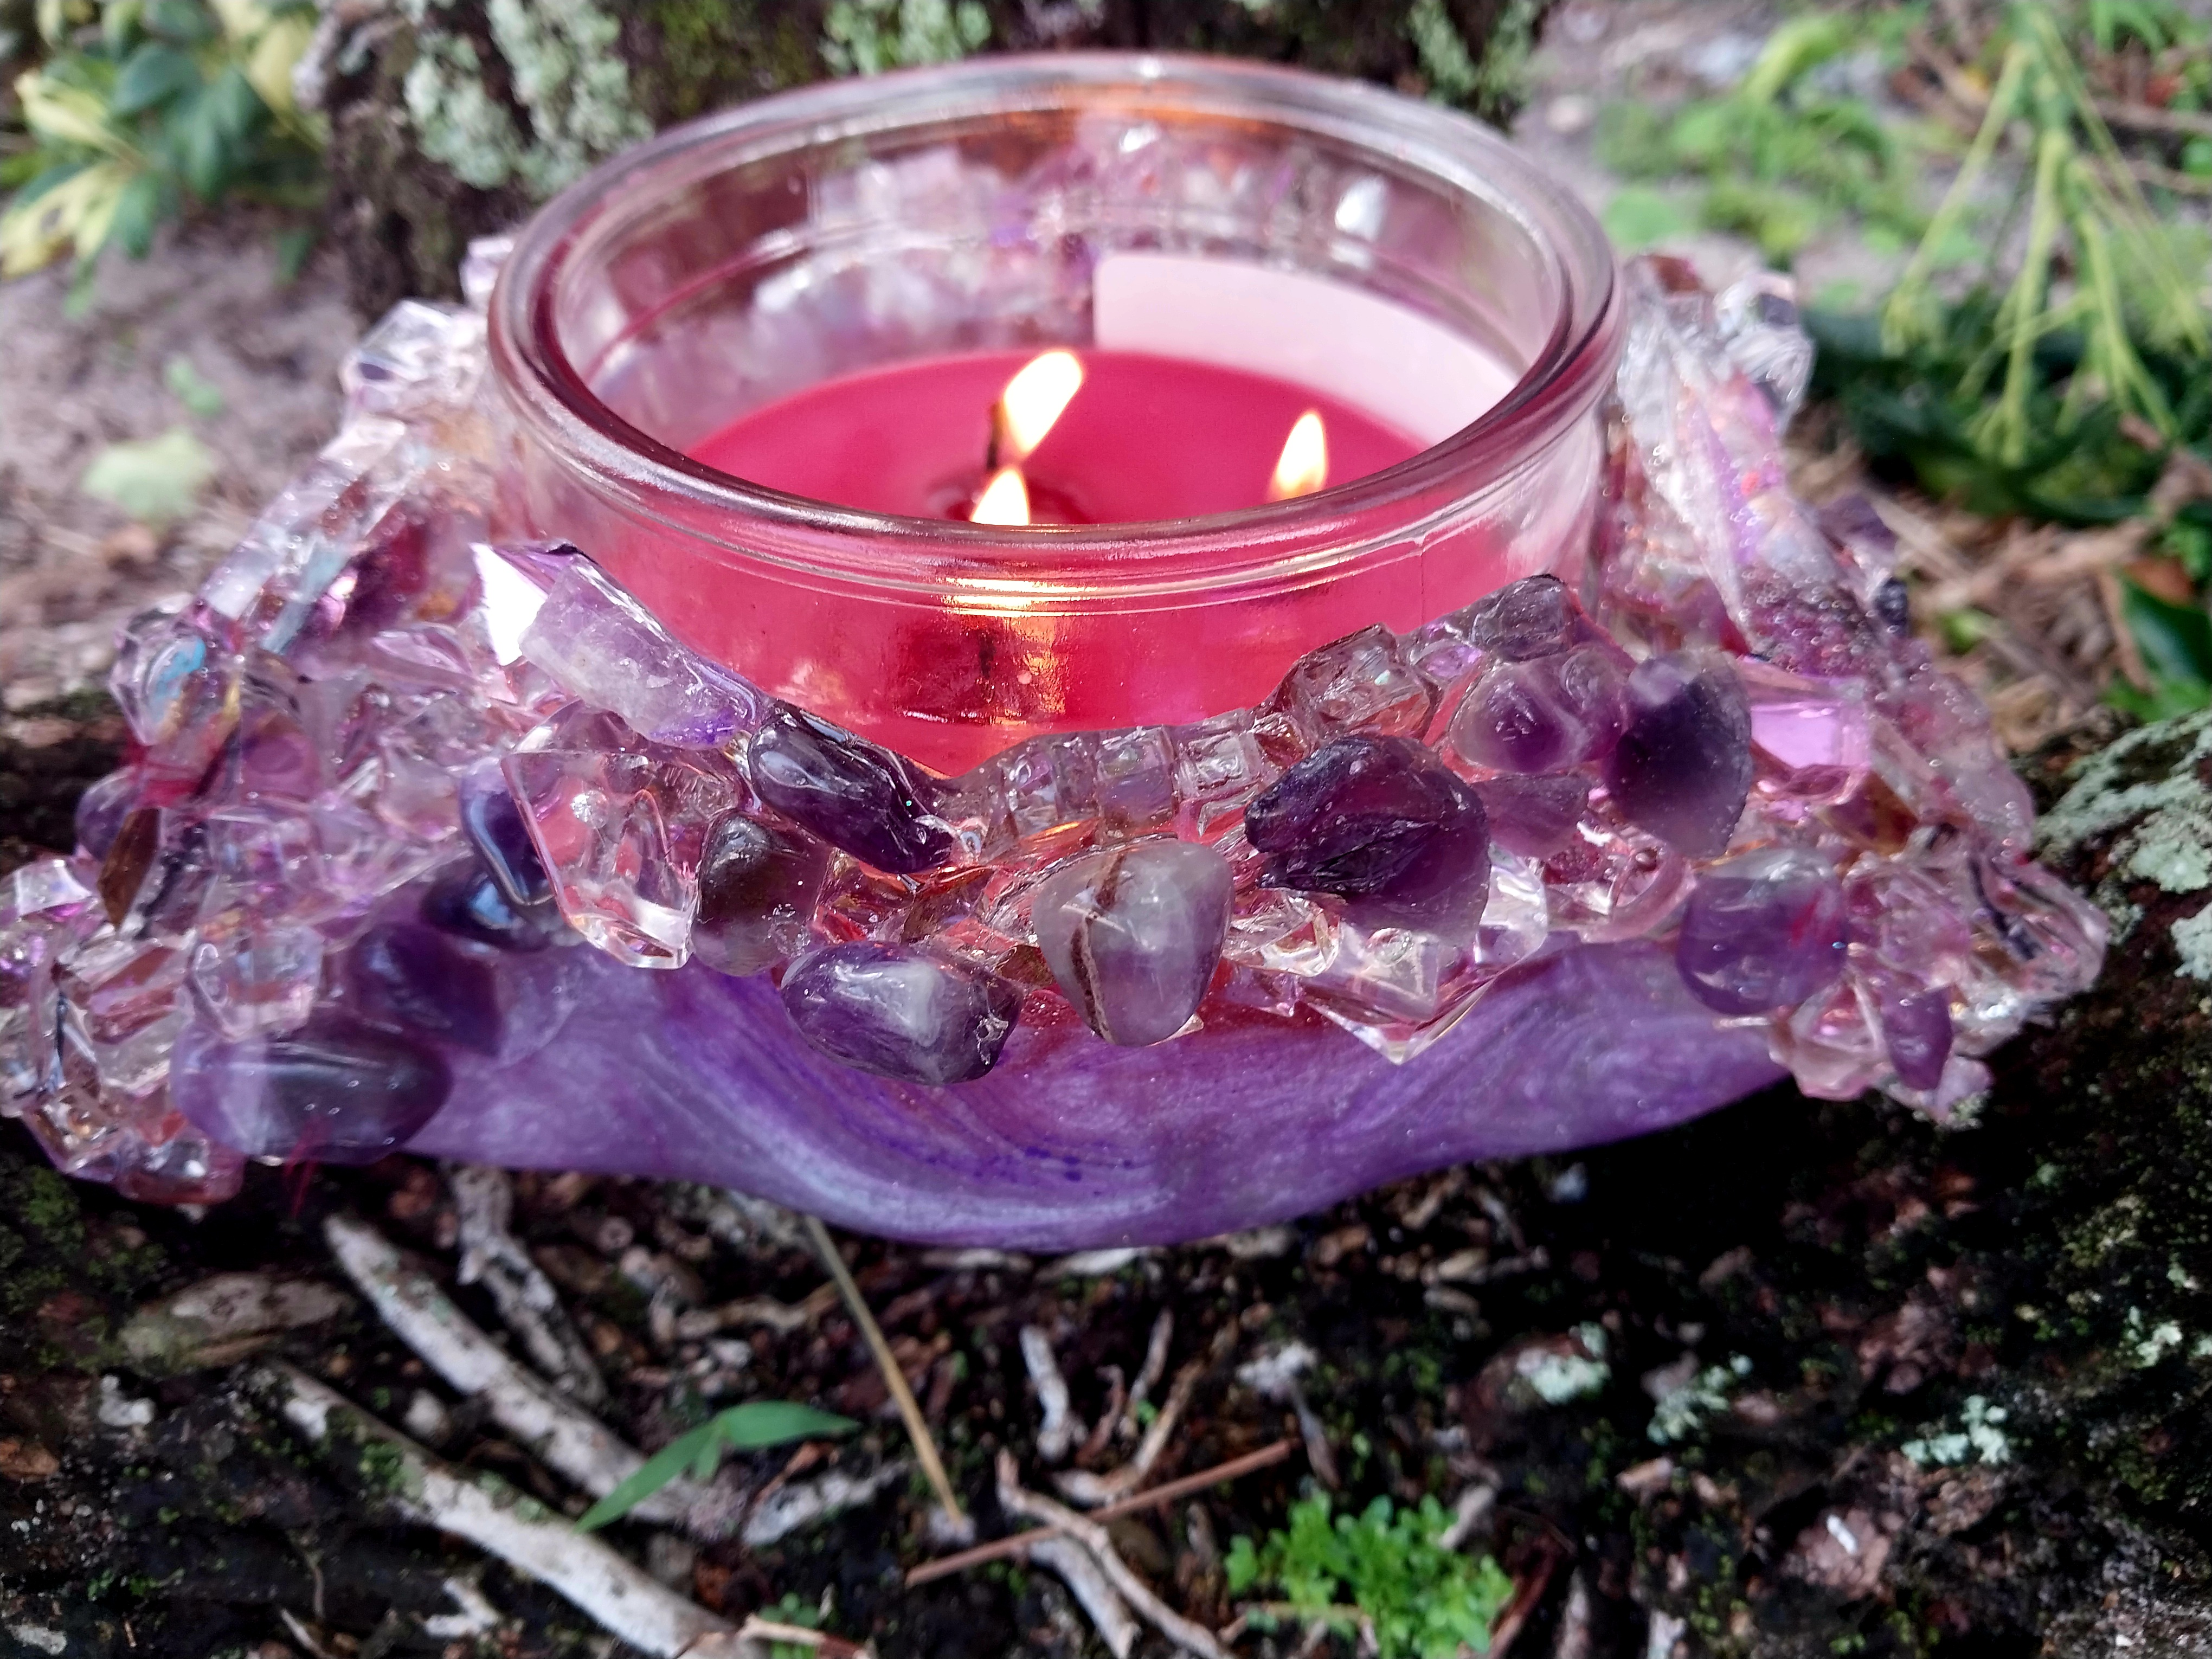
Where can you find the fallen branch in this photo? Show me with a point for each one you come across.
(491, 1255)
(1081, 1486)
(1061, 1428)
(488, 1513)
(1086, 1581)
(917, 1427)
(1155, 1367)
(946, 1565)
(778, 1513)
(553, 1429)
(1017, 1500)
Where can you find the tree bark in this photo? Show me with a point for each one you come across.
(451, 122)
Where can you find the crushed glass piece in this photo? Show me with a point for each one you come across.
(1762, 930)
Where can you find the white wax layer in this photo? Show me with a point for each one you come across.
(1394, 363)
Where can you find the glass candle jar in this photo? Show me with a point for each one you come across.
(1386, 252)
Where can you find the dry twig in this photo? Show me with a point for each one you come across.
(1015, 1499)
(917, 1427)
(1082, 1487)
(1061, 1428)
(630, 1606)
(1166, 1493)
(1086, 1581)
(555, 1429)
(483, 1206)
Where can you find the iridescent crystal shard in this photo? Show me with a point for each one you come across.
(408, 811)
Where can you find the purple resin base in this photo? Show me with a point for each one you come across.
(1072, 1143)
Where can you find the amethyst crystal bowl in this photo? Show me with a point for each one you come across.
(437, 840)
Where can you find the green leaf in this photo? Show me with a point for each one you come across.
(181, 21)
(760, 1422)
(748, 1427)
(656, 1472)
(138, 214)
(153, 74)
(157, 481)
(193, 389)
(1639, 216)
(2175, 640)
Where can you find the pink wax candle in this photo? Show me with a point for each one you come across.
(1144, 437)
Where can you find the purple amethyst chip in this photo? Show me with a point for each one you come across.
(493, 823)
(1763, 931)
(901, 1010)
(1132, 935)
(334, 1092)
(406, 975)
(1377, 819)
(858, 796)
(1683, 768)
(1544, 715)
(1916, 1025)
(756, 890)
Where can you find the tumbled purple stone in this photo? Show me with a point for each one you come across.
(856, 796)
(1682, 770)
(1375, 819)
(1544, 715)
(1763, 931)
(1530, 618)
(756, 890)
(1918, 1025)
(1132, 935)
(493, 825)
(1535, 816)
(334, 1092)
(469, 901)
(901, 1010)
(403, 974)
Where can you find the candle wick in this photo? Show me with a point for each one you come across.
(993, 445)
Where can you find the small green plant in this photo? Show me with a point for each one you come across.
(1382, 1567)
(2096, 268)
(700, 1452)
(143, 107)
(1779, 158)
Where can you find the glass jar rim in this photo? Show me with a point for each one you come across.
(1565, 378)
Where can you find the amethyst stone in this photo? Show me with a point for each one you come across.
(1535, 816)
(901, 1010)
(1376, 819)
(1763, 931)
(757, 891)
(864, 799)
(335, 1090)
(493, 825)
(401, 974)
(1917, 1027)
(102, 809)
(1132, 935)
(1683, 767)
(1532, 617)
(1543, 715)
(472, 902)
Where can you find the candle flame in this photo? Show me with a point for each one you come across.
(1033, 402)
(1303, 467)
(1005, 500)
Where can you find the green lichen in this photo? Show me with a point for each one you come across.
(866, 37)
(1979, 1438)
(561, 62)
